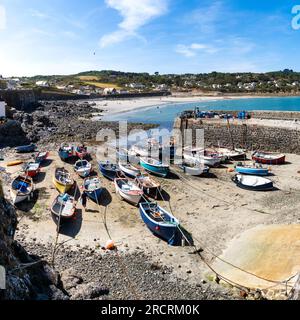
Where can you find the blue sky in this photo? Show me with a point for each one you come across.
(169, 36)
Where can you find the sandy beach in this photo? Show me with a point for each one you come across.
(212, 208)
(115, 106)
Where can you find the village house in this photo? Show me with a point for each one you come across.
(42, 84)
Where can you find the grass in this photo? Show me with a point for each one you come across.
(102, 84)
(88, 78)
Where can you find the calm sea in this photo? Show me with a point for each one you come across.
(165, 115)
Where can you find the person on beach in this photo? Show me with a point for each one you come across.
(84, 200)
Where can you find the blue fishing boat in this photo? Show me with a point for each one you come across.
(92, 188)
(65, 152)
(26, 149)
(154, 166)
(161, 223)
(254, 169)
(109, 170)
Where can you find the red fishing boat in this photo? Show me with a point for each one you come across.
(268, 158)
(31, 169)
(41, 156)
(81, 151)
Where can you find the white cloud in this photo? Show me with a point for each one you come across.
(192, 50)
(135, 14)
(38, 14)
(2, 18)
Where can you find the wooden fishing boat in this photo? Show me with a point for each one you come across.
(26, 149)
(62, 180)
(63, 207)
(161, 223)
(41, 157)
(254, 183)
(21, 189)
(109, 170)
(93, 188)
(65, 152)
(252, 169)
(195, 169)
(128, 190)
(231, 154)
(268, 158)
(154, 166)
(31, 169)
(81, 151)
(83, 168)
(129, 170)
(151, 187)
(206, 157)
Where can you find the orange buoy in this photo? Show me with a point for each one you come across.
(230, 170)
(110, 245)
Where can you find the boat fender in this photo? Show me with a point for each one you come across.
(110, 245)
(157, 228)
(269, 169)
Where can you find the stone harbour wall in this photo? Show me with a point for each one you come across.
(251, 137)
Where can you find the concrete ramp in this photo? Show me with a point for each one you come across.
(270, 252)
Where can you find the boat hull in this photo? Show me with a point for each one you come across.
(265, 187)
(132, 173)
(61, 188)
(108, 173)
(169, 233)
(194, 171)
(156, 170)
(264, 160)
(94, 195)
(252, 171)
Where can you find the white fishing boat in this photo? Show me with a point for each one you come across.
(205, 157)
(83, 168)
(63, 207)
(21, 189)
(128, 190)
(129, 170)
(194, 169)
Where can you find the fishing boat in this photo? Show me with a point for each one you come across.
(252, 169)
(128, 190)
(41, 157)
(154, 166)
(161, 223)
(62, 180)
(194, 169)
(81, 151)
(206, 157)
(231, 154)
(93, 188)
(31, 169)
(129, 170)
(65, 152)
(26, 149)
(21, 189)
(254, 183)
(150, 186)
(109, 170)
(83, 168)
(63, 207)
(268, 158)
